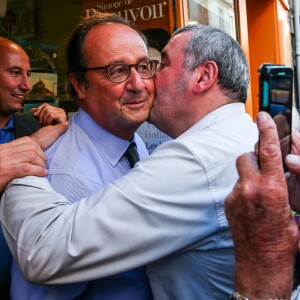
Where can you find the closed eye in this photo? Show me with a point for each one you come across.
(161, 65)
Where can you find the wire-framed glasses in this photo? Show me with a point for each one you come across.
(119, 72)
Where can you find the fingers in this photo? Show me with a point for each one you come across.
(247, 168)
(49, 115)
(293, 163)
(19, 150)
(295, 142)
(24, 156)
(46, 136)
(20, 170)
(247, 164)
(19, 158)
(269, 147)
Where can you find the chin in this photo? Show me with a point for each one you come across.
(17, 108)
(140, 117)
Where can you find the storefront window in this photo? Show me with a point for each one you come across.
(218, 13)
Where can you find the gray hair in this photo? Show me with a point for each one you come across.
(212, 44)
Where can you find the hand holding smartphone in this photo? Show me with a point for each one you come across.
(276, 98)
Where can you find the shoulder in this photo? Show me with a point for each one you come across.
(25, 125)
(59, 155)
(216, 144)
(20, 118)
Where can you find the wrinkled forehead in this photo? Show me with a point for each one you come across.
(114, 42)
(114, 34)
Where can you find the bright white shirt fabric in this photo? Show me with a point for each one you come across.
(167, 212)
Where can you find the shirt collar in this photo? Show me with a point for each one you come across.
(217, 115)
(105, 142)
(10, 124)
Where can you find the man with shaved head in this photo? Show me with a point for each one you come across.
(14, 84)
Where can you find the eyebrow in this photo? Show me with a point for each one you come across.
(122, 61)
(14, 68)
(18, 68)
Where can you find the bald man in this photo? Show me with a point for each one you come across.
(14, 84)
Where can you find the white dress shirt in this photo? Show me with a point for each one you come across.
(167, 212)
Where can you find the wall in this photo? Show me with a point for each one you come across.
(269, 38)
(55, 20)
(42, 28)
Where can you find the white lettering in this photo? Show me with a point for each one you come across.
(89, 12)
(134, 16)
(161, 9)
(149, 13)
(109, 6)
(145, 13)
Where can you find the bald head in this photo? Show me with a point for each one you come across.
(10, 46)
(14, 83)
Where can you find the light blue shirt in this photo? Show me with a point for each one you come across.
(166, 213)
(84, 159)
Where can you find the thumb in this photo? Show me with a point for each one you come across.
(47, 135)
(34, 111)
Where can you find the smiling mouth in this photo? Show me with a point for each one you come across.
(135, 101)
(19, 96)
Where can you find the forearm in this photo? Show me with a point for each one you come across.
(58, 242)
(129, 223)
(265, 265)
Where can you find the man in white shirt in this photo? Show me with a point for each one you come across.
(168, 212)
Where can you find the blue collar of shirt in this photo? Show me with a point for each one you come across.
(108, 144)
(7, 132)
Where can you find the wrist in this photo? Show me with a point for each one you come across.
(258, 281)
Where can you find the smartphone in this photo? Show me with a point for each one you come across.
(276, 98)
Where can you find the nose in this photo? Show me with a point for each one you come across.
(135, 82)
(25, 84)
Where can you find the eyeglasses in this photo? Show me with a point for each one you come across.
(119, 72)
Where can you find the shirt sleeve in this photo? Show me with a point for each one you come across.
(159, 207)
(71, 186)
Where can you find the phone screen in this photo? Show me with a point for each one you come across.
(280, 105)
(281, 110)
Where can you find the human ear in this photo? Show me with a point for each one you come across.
(207, 75)
(78, 86)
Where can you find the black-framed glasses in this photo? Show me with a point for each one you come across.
(119, 72)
